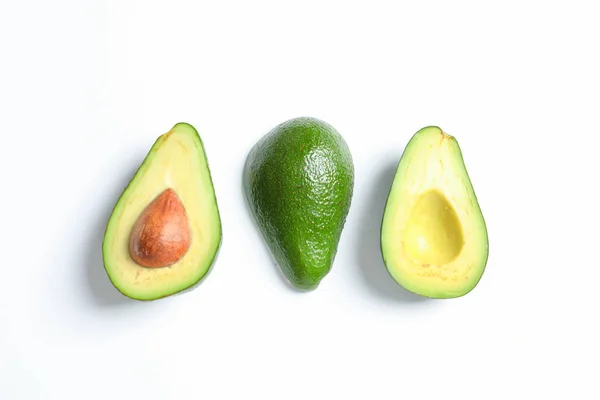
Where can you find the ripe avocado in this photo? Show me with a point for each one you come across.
(298, 181)
(434, 239)
(165, 230)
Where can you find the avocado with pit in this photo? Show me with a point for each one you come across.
(298, 181)
(164, 232)
(434, 238)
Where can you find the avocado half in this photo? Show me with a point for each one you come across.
(434, 238)
(173, 176)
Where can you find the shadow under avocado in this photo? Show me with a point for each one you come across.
(369, 256)
(103, 291)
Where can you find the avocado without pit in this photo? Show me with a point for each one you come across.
(165, 230)
(298, 181)
(434, 238)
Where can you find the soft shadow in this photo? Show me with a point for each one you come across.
(103, 291)
(369, 256)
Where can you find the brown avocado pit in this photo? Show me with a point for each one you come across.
(161, 235)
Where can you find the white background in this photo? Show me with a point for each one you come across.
(87, 86)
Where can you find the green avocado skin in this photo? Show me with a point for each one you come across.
(298, 181)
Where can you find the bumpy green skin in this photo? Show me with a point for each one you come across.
(298, 181)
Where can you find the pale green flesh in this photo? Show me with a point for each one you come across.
(177, 160)
(434, 238)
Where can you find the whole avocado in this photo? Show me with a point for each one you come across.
(298, 181)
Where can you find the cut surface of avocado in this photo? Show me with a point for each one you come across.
(176, 166)
(434, 238)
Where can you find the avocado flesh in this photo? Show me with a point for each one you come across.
(298, 182)
(177, 160)
(434, 239)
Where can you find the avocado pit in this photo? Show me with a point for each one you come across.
(161, 235)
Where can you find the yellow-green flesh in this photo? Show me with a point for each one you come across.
(177, 160)
(434, 239)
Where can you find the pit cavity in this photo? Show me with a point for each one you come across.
(433, 234)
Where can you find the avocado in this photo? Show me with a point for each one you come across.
(434, 239)
(298, 181)
(165, 230)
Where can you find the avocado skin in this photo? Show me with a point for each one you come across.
(299, 181)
